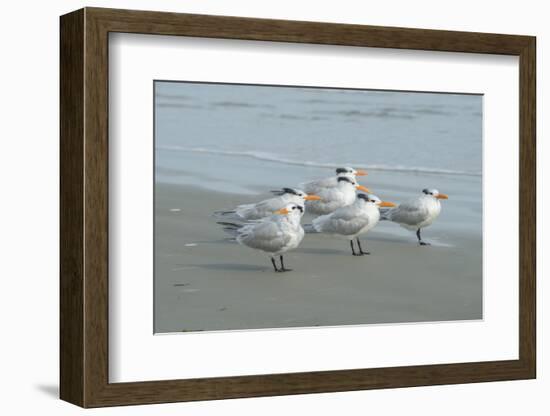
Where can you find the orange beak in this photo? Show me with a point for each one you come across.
(362, 188)
(282, 211)
(361, 173)
(387, 204)
(442, 196)
(312, 198)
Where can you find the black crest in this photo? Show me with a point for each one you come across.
(290, 191)
(299, 207)
(345, 179)
(426, 191)
(284, 191)
(363, 196)
(342, 170)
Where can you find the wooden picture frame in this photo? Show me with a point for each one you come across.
(84, 207)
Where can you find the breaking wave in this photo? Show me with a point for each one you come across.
(277, 159)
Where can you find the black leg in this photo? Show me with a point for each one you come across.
(422, 243)
(360, 249)
(274, 264)
(283, 269)
(353, 249)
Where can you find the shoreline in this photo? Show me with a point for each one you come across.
(205, 283)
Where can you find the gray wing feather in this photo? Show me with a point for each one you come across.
(315, 186)
(345, 221)
(309, 229)
(261, 209)
(266, 236)
(408, 213)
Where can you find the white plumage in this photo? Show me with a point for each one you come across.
(267, 207)
(353, 220)
(273, 235)
(417, 213)
(313, 187)
(332, 198)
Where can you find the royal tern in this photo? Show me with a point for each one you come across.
(316, 186)
(267, 207)
(273, 235)
(417, 213)
(332, 198)
(351, 221)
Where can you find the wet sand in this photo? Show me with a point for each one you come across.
(204, 282)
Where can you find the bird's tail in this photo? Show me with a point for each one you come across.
(309, 229)
(231, 215)
(223, 213)
(385, 214)
(230, 228)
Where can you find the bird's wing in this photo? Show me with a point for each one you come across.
(264, 235)
(330, 194)
(315, 186)
(260, 209)
(228, 215)
(245, 210)
(345, 221)
(346, 213)
(271, 204)
(409, 213)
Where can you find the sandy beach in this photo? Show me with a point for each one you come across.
(204, 282)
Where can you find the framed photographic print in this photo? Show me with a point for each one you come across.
(255, 207)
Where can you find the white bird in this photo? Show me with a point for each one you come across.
(353, 220)
(341, 195)
(316, 186)
(269, 206)
(273, 235)
(417, 213)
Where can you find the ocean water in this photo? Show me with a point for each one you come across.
(218, 135)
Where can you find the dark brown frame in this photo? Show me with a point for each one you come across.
(84, 207)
